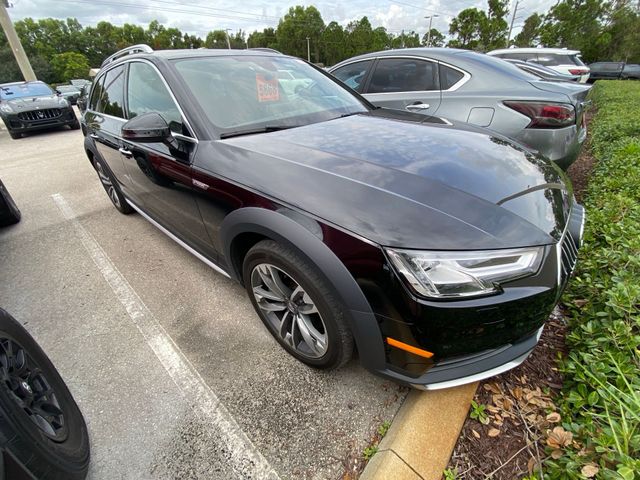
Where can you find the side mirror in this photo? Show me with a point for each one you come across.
(147, 128)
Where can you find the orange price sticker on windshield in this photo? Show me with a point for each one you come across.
(268, 90)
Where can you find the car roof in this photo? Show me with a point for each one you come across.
(436, 53)
(552, 51)
(194, 53)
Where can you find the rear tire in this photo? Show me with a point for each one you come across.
(110, 185)
(9, 212)
(297, 305)
(40, 422)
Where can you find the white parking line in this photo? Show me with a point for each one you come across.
(243, 456)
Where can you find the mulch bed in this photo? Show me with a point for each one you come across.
(520, 418)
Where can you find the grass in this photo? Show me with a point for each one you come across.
(600, 399)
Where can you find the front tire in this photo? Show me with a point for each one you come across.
(40, 422)
(9, 212)
(111, 186)
(297, 305)
(75, 125)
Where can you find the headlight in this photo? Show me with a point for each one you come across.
(63, 102)
(6, 108)
(439, 274)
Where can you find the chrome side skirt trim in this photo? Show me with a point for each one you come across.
(178, 241)
(481, 375)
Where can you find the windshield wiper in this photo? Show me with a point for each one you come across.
(266, 129)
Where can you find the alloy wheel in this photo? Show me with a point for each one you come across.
(290, 310)
(30, 390)
(108, 185)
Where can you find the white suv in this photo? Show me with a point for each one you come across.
(559, 59)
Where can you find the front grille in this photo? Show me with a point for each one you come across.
(568, 256)
(39, 115)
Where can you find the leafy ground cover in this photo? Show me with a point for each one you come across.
(573, 409)
(600, 399)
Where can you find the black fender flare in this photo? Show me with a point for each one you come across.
(283, 229)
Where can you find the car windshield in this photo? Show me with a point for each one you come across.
(246, 93)
(9, 92)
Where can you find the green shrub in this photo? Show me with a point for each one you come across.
(600, 400)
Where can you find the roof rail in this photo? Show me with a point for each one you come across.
(140, 48)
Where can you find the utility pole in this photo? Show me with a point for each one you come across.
(14, 43)
(308, 51)
(226, 32)
(513, 18)
(430, 17)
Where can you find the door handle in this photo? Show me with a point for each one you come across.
(125, 152)
(418, 106)
(94, 136)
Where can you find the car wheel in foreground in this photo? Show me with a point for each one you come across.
(40, 422)
(9, 212)
(111, 187)
(297, 305)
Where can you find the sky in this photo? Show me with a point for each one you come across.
(198, 17)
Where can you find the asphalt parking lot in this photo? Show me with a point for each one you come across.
(173, 370)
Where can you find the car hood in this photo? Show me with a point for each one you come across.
(404, 183)
(34, 103)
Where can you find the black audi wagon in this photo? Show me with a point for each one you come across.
(437, 250)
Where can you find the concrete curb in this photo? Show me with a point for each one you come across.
(422, 436)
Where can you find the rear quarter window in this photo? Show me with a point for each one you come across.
(449, 77)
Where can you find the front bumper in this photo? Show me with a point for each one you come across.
(561, 145)
(39, 119)
(476, 338)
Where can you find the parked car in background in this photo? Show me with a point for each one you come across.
(605, 71)
(438, 249)
(558, 59)
(474, 88)
(69, 92)
(631, 71)
(79, 82)
(545, 73)
(30, 106)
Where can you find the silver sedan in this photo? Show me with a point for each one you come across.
(474, 88)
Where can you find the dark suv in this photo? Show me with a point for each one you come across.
(437, 250)
(30, 106)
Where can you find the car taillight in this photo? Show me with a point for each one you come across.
(545, 115)
(578, 71)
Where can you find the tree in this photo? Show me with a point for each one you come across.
(530, 33)
(436, 40)
(406, 40)
(359, 37)
(263, 39)
(216, 39)
(69, 65)
(332, 41)
(467, 28)
(494, 29)
(298, 24)
(576, 24)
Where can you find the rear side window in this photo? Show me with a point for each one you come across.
(96, 94)
(147, 93)
(403, 75)
(553, 60)
(353, 75)
(449, 77)
(520, 56)
(112, 102)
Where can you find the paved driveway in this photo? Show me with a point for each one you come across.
(175, 373)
